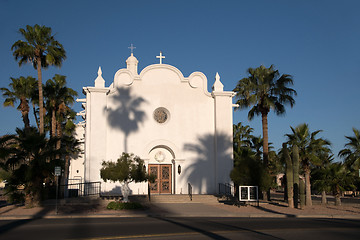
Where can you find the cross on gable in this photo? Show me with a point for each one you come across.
(160, 57)
(132, 48)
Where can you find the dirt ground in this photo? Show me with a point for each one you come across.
(278, 207)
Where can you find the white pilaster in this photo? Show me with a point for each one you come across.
(96, 122)
(223, 132)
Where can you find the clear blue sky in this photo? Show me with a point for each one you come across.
(315, 41)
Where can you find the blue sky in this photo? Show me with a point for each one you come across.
(317, 42)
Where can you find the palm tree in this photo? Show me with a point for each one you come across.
(245, 164)
(32, 159)
(336, 178)
(21, 89)
(241, 135)
(322, 174)
(58, 97)
(248, 169)
(5, 141)
(310, 148)
(351, 152)
(257, 144)
(40, 48)
(264, 90)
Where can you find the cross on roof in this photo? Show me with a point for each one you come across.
(160, 57)
(132, 48)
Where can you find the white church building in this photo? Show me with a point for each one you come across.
(181, 131)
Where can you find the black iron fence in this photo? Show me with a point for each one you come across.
(225, 189)
(81, 189)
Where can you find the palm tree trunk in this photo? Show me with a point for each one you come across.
(36, 119)
(58, 146)
(65, 178)
(53, 122)
(41, 97)
(33, 193)
(266, 194)
(59, 134)
(337, 196)
(323, 198)
(24, 107)
(66, 170)
(265, 139)
(308, 201)
(37, 193)
(25, 117)
(28, 200)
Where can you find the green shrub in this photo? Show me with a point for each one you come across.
(124, 205)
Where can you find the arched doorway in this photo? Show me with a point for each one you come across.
(160, 165)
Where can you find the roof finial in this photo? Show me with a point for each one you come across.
(160, 57)
(132, 48)
(218, 86)
(99, 81)
(217, 77)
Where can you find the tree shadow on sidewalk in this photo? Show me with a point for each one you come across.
(345, 210)
(278, 204)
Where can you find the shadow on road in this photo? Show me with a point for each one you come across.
(67, 209)
(276, 212)
(156, 208)
(195, 229)
(231, 227)
(17, 223)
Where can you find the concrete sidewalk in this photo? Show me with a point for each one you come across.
(272, 209)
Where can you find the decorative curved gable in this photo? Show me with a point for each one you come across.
(162, 67)
(160, 74)
(123, 77)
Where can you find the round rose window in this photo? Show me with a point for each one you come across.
(161, 115)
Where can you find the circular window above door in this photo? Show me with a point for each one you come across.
(161, 115)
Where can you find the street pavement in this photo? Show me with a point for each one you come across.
(174, 221)
(179, 228)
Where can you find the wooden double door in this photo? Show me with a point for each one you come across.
(162, 184)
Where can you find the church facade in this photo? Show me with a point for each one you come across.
(181, 131)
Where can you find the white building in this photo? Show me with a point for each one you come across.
(181, 131)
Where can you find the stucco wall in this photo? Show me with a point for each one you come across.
(197, 134)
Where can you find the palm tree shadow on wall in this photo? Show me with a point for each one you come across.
(127, 113)
(201, 173)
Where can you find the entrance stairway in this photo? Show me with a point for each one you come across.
(176, 198)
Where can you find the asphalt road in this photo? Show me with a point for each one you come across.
(180, 228)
